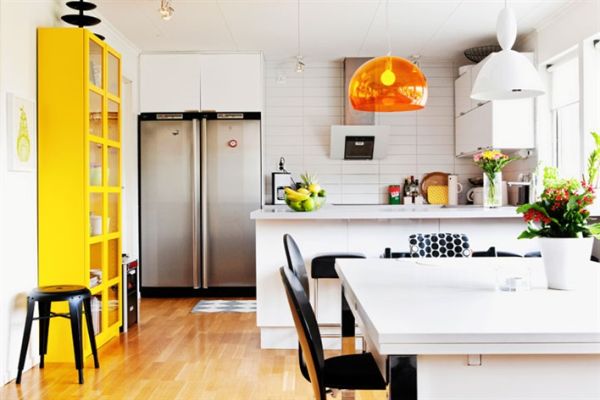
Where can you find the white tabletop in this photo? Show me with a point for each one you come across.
(453, 306)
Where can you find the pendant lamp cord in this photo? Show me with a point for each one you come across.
(387, 27)
(298, 26)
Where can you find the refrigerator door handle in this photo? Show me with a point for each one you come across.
(195, 203)
(204, 195)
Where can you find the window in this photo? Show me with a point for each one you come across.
(566, 135)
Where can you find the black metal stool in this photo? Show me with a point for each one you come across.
(45, 295)
(323, 267)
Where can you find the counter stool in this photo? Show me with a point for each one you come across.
(323, 267)
(45, 295)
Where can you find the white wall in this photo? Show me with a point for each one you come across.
(300, 108)
(578, 21)
(18, 190)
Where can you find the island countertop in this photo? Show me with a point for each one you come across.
(346, 212)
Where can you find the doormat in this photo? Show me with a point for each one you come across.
(231, 306)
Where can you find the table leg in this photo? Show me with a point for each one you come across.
(402, 377)
(348, 322)
(348, 328)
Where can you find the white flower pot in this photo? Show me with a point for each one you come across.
(563, 260)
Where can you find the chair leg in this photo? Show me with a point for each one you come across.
(26, 335)
(75, 316)
(44, 311)
(87, 306)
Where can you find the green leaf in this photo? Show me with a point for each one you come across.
(594, 230)
(529, 234)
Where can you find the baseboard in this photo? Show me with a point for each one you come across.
(246, 291)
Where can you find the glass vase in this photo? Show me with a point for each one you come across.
(492, 190)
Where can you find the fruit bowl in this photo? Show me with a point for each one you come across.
(312, 203)
(308, 196)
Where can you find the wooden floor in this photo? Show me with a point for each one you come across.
(173, 354)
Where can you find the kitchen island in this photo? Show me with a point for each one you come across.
(365, 229)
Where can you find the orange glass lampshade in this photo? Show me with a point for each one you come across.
(388, 84)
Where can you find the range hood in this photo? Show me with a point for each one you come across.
(359, 138)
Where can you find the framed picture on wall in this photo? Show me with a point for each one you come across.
(21, 129)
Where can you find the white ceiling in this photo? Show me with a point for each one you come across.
(330, 29)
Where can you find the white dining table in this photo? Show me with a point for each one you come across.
(457, 329)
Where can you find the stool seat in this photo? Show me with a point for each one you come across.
(58, 292)
(323, 266)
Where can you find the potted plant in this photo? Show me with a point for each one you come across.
(560, 220)
(492, 162)
(594, 162)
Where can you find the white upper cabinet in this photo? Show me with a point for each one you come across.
(169, 82)
(219, 82)
(231, 82)
(501, 124)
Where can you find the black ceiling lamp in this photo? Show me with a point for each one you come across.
(80, 19)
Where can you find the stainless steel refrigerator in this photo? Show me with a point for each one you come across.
(200, 177)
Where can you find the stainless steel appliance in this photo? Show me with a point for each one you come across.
(200, 177)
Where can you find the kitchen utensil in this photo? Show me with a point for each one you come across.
(454, 188)
(475, 195)
(437, 194)
(476, 181)
(433, 178)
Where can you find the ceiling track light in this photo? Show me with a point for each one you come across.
(166, 9)
(299, 59)
(299, 64)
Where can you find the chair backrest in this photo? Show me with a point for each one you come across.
(307, 330)
(295, 260)
(439, 245)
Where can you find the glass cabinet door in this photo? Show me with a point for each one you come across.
(113, 74)
(95, 117)
(114, 121)
(96, 62)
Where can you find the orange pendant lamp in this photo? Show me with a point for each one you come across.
(388, 83)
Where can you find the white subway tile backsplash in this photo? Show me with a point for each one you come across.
(370, 198)
(356, 178)
(300, 110)
(435, 139)
(360, 168)
(426, 129)
(434, 149)
(350, 188)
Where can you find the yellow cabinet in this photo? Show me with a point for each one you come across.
(79, 176)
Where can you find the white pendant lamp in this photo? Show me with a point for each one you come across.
(507, 74)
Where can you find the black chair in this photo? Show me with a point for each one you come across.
(492, 252)
(77, 296)
(439, 245)
(353, 371)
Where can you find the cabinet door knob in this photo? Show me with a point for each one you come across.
(462, 113)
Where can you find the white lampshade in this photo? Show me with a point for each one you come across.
(507, 75)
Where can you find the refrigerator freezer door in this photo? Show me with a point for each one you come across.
(232, 191)
(167, 173)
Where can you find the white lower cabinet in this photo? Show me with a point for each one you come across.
(502, 124)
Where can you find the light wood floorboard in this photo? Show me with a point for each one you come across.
(172, 354)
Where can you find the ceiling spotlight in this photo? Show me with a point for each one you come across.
(166, 9)
(299, 64)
